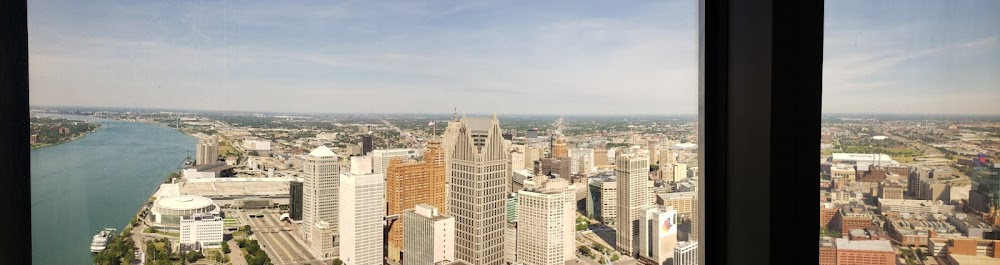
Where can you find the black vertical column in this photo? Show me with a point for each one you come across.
(759, 103)
(15, 244)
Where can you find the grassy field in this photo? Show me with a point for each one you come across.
(168, 233)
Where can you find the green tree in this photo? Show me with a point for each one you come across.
(192, 256)
(248, 229)
(337, 262)
(614, 258)
(586, 251)
(225, 248)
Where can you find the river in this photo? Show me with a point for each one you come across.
(97, 181)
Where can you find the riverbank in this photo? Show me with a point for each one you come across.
(114, 172)
(48, 130)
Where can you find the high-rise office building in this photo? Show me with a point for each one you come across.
(658, 233)
(510, 243)
(561, 166)
(319, 200)
(559, 149)
(531, 154)
(207, 151)
(517, 160)
(654, 151)
(680, 172)
(546, 210)
(429, 237)
(632, 170)
(295, 200)
(582, 161)
(409, 184)
(686, 253)
(366, 144)
(382, 157)
(602, 199)
(362, 213)
(686, 204)
(321, 242)
(478, 192)
(510, 231)
(532, 133)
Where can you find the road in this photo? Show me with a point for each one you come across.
(236, 255)
(277, 240)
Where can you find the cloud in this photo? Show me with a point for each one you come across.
(986, 42)
(250, 56)
(852, 71)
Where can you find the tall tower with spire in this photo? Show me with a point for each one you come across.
(478, 191)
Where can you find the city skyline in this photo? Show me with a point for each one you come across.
(323, 57)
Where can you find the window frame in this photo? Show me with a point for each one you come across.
(788, 36)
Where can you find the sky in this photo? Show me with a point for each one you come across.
(903, 56)
(510, 57)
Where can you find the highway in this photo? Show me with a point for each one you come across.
(276, 239)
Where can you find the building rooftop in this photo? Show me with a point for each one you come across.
(213, 167)
(677, 195)
(229, 187)
(864, 245)
(969, 259)
(479, 123)
(183, 202)
(322, 151)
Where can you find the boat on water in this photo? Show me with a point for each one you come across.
(102, 239)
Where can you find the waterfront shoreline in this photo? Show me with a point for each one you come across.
(74, 138)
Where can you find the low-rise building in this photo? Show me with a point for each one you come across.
(212, 170)
(915, 229)
(827, 251)
(201, 231)
(827, 216)
(891, 191)
(972, 226)
(867, 252)
(854, 217)
(915, 206)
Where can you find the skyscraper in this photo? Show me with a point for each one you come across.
(366, 144)
(658, 233)
(362, 213)
(686, 203)
(546, 209)
(532, 134)
(559, 149)
(207, 151)
(295, 200)
(319, 200)
(583, 161)
(478, 192)
(429, 237)
(686, 253)
(381, 158)
(632, 170)
(409, 184)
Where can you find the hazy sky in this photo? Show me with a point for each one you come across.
(594, 57)
(910, 56)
